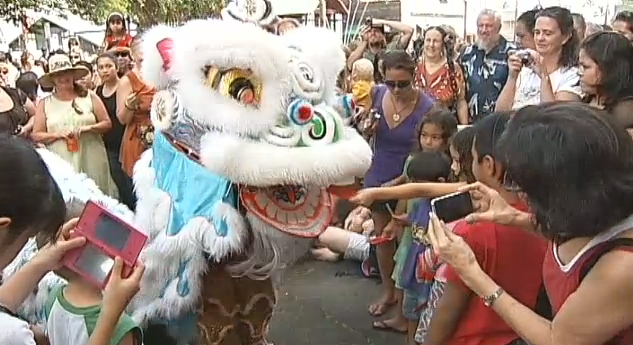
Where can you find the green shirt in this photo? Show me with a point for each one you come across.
(67, 324)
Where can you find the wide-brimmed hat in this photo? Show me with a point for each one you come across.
(60, 63)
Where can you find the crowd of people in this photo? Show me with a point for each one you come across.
(416, 96)
(535, 129)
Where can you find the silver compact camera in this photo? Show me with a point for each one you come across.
(526, 57)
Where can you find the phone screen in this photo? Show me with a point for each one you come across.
(454, 207)
(112, 232)
(95, 263)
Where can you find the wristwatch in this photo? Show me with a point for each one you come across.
(490, 299)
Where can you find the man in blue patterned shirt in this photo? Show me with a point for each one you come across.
(485, 65)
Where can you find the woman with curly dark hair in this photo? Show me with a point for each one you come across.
(439, 75)
(606, 74)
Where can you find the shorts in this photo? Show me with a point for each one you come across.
(437, 290)
(381, 206)
(357, 248)
(413, 304)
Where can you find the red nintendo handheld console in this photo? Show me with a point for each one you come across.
(107, 236)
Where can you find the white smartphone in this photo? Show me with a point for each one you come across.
(452, 207)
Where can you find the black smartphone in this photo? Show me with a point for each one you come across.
(452, 207)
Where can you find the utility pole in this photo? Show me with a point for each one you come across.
(465, 18)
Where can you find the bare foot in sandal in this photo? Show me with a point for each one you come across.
(382, 306)
(391, 325)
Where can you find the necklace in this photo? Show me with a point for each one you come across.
(396, 115)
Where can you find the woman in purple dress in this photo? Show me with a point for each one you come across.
(399, 109)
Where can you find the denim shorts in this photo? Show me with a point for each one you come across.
(412, 304)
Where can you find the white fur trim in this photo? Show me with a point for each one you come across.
(163, 255)
(148, 303)
(143, 174)
(79, 186)
(247, 47)
(219, 247)
(262, 164)
(152, 68)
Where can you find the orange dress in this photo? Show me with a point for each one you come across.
(138, 134)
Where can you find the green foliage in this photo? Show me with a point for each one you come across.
(13, 10)
(150, 12)
(144, 12)
(98, 10)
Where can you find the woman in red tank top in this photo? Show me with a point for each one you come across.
(578, 180)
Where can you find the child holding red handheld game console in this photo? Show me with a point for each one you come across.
(72, 310)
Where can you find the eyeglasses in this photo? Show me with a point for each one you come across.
(397, 84)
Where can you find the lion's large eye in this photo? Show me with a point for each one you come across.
(239, 84)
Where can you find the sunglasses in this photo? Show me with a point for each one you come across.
(5, 71)
(122, 54)
(77, 108)
(397, 84)
(74, 57)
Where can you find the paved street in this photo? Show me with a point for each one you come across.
(326, 304)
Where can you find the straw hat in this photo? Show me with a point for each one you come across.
(60, 63)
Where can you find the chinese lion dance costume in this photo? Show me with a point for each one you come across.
(249, 135)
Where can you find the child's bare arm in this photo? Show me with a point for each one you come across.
(417, 190)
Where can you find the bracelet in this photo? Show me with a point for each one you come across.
(490, 299)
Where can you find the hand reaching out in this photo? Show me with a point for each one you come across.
(364, 197)
(391, 230)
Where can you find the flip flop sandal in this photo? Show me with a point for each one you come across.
(368, 270)
(385, 327)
